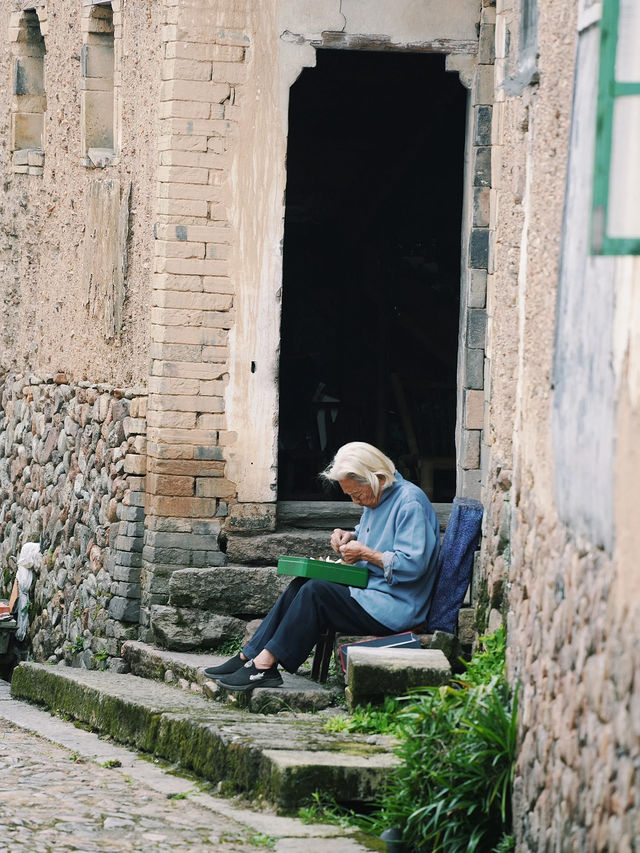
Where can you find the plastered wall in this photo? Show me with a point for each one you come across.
(45, 217)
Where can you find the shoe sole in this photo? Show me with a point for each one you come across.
(243, 688)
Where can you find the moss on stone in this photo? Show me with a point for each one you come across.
(482, 607)
(224, 745)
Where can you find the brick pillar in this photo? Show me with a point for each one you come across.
(472, 388)
(192, 301)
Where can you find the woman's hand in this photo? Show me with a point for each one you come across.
(340, 538)
(353, 551)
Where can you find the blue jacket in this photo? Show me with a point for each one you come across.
(404, 526)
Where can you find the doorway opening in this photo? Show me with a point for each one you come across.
(371, 267)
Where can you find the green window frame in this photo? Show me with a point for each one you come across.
(609, 91)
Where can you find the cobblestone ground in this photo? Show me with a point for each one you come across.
(54, 800)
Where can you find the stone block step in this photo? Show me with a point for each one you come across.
(326, 515)
(243, 591)
(264, 549)
(187, 670)
(319, 515)
(373, 673)
(284, 758)
(184, 628)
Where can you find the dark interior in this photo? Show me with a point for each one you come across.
(371, 267)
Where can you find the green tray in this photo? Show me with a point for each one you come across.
(305, 567)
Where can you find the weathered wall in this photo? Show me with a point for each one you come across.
(572, 603)
(45, 218)
(199, 141)
(213, 405)
(289, 33)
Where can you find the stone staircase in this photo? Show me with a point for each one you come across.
(281, 758)
(266, 742)
(254, 744)
(207, 606)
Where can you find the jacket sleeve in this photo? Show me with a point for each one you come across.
(414, 542)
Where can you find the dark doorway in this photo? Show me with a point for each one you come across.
(371, 280)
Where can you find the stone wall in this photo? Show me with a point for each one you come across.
(576, 661)
(72, 462)
(571, 601)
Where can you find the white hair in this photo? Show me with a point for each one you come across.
(363, 463)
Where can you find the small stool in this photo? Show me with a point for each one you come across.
(322, 656)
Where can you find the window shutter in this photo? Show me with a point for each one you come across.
(616, 190)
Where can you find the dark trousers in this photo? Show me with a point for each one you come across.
(304, 611)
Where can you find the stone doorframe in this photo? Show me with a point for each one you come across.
(464, 31)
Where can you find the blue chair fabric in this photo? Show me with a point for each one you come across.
(455, 564)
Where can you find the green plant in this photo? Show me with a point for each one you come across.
(259, 839)
(103, 654)
(506, 844)
(452, 791)
(322, 808)
(230, 647)
(112, 762)
(78, 645)
(369, 719)
(182, 795)
(488, 660)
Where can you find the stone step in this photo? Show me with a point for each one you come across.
(318, 515)
(307, 533)
(285, 758)
(242, 591)
(210, 605)
(264, 549)
(374, 673)
(187, 670)
(186, 628)
(326, 515)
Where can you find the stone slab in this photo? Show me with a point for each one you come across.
(245, 752)
(320, 515)
(373, 673)
(296, 694)
(292, 834)
(297, 541)
(327, 515)
(243, 591)
(293, 774)
(265, 549)
(184, 628)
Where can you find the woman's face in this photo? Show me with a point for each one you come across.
(360, 494)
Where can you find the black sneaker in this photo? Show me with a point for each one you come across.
(226, 668)
(248, 677)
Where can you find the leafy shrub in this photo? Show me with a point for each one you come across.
(369, 719)
(452, 791)
(231, 647)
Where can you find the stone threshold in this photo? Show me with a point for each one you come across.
(284, 758)
(325, 515)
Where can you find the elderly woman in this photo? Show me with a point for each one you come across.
(397, 539)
